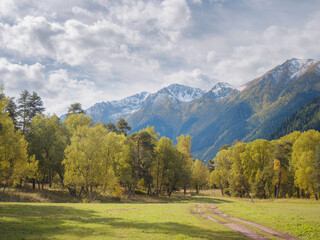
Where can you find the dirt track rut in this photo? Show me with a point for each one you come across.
(242, 229)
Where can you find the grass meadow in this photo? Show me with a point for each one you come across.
(151, 218)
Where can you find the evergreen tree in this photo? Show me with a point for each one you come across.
(24, 110)
(111, 127)
(123, 126)
(28, 107)
(12, 110)
(75, 108)
(36, 105)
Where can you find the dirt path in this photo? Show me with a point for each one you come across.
(242, 229)
(280, 235)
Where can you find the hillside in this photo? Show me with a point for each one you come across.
(223, 114)
(307, 117)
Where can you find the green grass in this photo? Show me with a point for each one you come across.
(153, 218)
(300, 218)
(107, 221)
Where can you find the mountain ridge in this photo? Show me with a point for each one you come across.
(225, 113)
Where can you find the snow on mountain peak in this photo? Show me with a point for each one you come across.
(222, 89)
(291, 69)
(184, 93)
(114, 110)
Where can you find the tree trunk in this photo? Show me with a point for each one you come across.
(137, 170)
(72, 191)
(278, 187)
(248, 194)
(50, 179)
(42, 183)
(149, 190)
(185, 190)
(33, 183)
(81, 190)
(221, 189)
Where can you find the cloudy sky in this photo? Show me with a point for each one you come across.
(91, 51)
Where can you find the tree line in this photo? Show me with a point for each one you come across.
(287, 167)
(90, 158)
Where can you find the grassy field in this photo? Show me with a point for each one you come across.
(153, 219)
(107, 221)
(300, 218)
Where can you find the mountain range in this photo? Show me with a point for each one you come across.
(223, 114)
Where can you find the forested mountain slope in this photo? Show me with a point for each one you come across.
(223, 114)
(307, 117)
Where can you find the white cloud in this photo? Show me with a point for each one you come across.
(126, 46)
(14, 76)
(61, 91)
(194, 78)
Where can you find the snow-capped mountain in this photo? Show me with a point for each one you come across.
(184, 93)
(175, 93)
(289, 70)
(222, 89)
(112, 111)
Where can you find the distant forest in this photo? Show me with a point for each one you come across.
(308, 117)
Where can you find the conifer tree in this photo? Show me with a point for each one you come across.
(24, 110)
(123, 126)
(75, 108)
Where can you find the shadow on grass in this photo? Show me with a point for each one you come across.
(199, 199)
(22, 221)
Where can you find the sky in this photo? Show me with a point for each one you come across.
(92, 51)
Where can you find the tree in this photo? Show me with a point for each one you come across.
(75, 121)
(12, 110)
(141, 147)
(123, 126)
(303, 161)
(24, 110)
(167, 167)
(200, 175)
(282, 156)
(28, 107)
(75, 108)
(111, 127)
(222, 169)
(184, 147)
(239, 177)
(257, 165)
(15, 165)
(87, 164)
(35, 105)
(316, 173)
(47, 141)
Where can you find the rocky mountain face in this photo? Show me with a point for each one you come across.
(223, 114)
